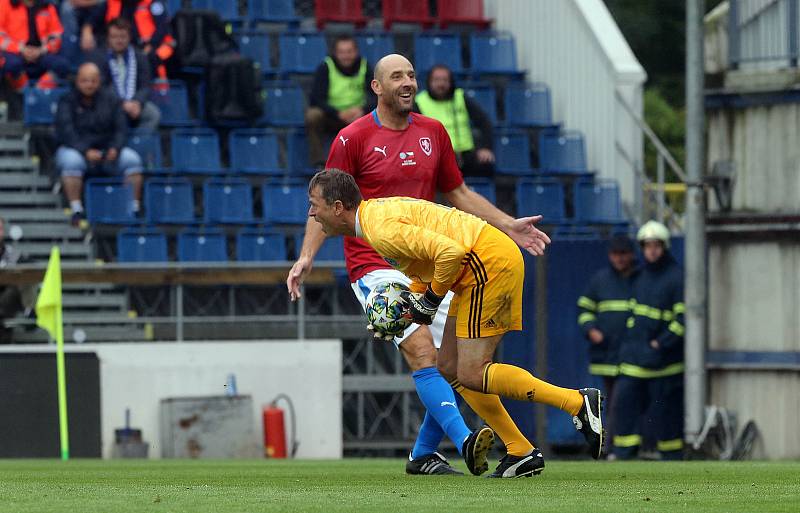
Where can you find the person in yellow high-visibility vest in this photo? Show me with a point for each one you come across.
(340, 94)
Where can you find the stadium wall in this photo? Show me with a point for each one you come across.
(576, 48)
(139, 375)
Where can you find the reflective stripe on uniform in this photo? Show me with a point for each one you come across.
(627, 440)
(676, 328)
(631, 322)
(635, 371)
(675, 444)
(585, 302)
(603, 369)
(648, 311)
(612, 305)
(586, 317)
(679, 308)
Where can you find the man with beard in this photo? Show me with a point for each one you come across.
(459, 114)
(394, 152)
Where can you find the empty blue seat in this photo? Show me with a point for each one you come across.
(493, 53)
(260, 245)
(373, 46)
(227, 200)
(169, 200)
(297, 151)
(173, 101)
(541, 196)
(512, 151)
(284, 105)
(528, 105)
(174, 6)
(285, 201)
(301, 52)
(562, 152)
(256, 46)
(483, 186)
(227, 10)
(108, 201)
(485, 96)
(575, 232)
(141, 245)
(195, 150)
(202, 245)
(273, 11)
(40, 105)
(332, 250)
(433, 49)
(598, 202)
(148, 146)
(254, 150)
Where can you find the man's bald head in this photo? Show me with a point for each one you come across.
(87, 81)
(390, 62)
(395, 85)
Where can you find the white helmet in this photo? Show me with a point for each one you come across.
(653, 230)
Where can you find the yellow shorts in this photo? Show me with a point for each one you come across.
(488, 297)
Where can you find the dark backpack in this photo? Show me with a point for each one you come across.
(233, 89)
(200, 35)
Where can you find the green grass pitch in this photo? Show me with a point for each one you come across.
(379, 485)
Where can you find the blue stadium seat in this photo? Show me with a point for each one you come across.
(141, 245)
(169, 201)
(485, 96)
(255, 151)
(332, 249)
(284, 105)
(541, 196)
(483, 186)
(297, 151)
(202, 245)
(173, 102)
(148, 146)
(512, 151)
(432, 49)
(598, 202)
(195, 150)
(273, 11)
(375, 45)
(256, 46)
(301, 52)
(227, 10)
(227, 200)
(40, 105)
(575, 232)
(174, 6)
(108, 201)
(260, 245)
(528, 105)
(493, 53)
(562, 152)
(285, 202)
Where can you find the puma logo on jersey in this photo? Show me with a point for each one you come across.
(380, 150)
(344, 141)
(448, 403)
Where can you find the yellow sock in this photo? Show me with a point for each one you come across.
(490, 409)
(516, 383)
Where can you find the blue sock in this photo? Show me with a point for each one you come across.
(429, 437)
(440, 401)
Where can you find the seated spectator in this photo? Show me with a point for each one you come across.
(340, 94)
(91, 128)
(149, 20)
(30, 38)
(13, 299)
(444, 101)
(75, 16)
(126, 72)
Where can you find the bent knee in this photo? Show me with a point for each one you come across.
(447, 369)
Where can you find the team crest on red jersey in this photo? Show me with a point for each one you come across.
(425, 144)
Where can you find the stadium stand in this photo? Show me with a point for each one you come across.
(39, 107)
(108, 201)
(202, 245)
(432, 49)
(254, 151)
(562, 152)
(407, 11)
(227, 201)
(544, 196)
(169, 201)
(227, 10)
(284, 105)
(273, 11)
(339, 11)
(528, 105)
(285, 202)
(173, 102)
(195, 150)
(486, 97)
(260, 244)
(467, 12)
(256, 45)
(301, 52)
(141, 244)
(374, 45)
(512, 152)
(148, 146)
(493, 53)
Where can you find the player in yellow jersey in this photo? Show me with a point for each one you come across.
(441, 248)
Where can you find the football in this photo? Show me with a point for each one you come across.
(386, 308)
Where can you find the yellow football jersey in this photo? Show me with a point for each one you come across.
(425, 241)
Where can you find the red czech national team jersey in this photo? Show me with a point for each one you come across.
(415, 162)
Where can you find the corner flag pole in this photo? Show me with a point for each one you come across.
(48, 317)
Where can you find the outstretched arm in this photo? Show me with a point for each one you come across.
(312, 241)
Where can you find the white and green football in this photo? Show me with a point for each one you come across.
(386, 308)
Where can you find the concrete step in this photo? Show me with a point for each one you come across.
(31, 199)
(50, 231)
(76, 301)
(91, 288)
(15, 180)
(17, 164)
(93, 334)
(13, 144)
(41, 250)
(39, 215)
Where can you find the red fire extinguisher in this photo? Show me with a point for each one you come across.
(275, 430)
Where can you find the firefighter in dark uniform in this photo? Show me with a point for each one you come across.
(603, 312)
(651, 354)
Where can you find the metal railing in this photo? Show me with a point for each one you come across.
(764, 32)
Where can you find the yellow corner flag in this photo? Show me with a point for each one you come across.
(48, 317)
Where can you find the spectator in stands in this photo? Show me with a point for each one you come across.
(341, 93)
(126, 72)
(443, 101)
(30, 38)
(603, 311)
(91, 129)
(151, 29)
(75, 17)
(12, 298)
